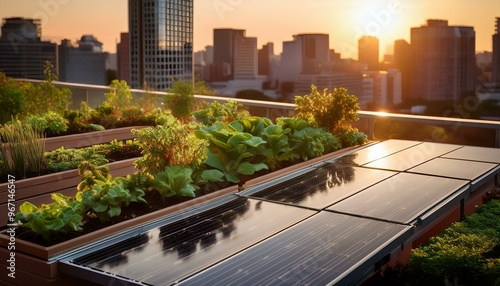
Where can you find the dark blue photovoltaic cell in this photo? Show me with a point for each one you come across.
(376, 151)
(166, 254)
(412, 157)
(324, 186)
(480, 154)
(452, 168)
(401, 198)
(321, 249)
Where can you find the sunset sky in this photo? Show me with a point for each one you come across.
(270, 21)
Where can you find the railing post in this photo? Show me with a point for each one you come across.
(371, 128)
(497, 138)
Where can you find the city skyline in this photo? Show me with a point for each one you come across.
(345, 22)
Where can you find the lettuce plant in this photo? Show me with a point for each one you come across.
(175, 181)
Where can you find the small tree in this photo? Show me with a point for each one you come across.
(119, 96)
(181, 99)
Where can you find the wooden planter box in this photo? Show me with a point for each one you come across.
(90, 138)
(37, 190)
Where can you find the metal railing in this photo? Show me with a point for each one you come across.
(93, 95)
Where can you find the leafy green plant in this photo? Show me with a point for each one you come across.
(180, 101)
(277, 148)
(216, 112)
(64, 214)
(66, 159)
(175, 181)
(168, 145)
(102, 195)
(51, 122)
(230, 151)
(21, 149)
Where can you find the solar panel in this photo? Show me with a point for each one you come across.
(412, 156)
(453, 168)
(164, 255)
(321, 187)
(402, 198)
(325, 248)
(480, 154)
(376, 151)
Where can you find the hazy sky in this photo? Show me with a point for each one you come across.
(269, 20)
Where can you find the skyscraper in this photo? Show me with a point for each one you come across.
(444, 66)
(161, 42)
(496, 53)
(22, 52)
(123, 57)
(403, 62)
(368, 50)
(235, 55)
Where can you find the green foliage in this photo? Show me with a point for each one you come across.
(119, 97)
(168, 145)
(45, 97)
(467, 252)
(21, 149)
(231, 150)
(175, 181)
(217, 112)
(180, 101)
(51, 123)
(66, 159)
(11, 99)
(64, 214)
(349, 136)
(327, 109)
(202, 89)
(104, 196)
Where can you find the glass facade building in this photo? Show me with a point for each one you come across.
(161, 42)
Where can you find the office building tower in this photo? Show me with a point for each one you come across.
(265, 56)
(161, 42)
(496, 53)
(403, 62)
(368, 52)
(84, 63)
(235, 55)
(307, 54)
(123, 57)
(444, 66)
(22, 52)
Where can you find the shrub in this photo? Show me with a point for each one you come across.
(119, 97)
(51, 123)
(66, 159)
(11, 99)
(180, 101)
(168, 145)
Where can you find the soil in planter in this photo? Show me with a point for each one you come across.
(133, 210)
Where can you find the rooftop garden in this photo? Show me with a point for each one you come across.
(189, 150)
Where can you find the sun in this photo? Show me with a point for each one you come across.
(379, 18)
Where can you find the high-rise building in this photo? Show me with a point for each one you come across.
(161, 42)
(368, 52)
(444, 66)
(386, 88)
(265, 56)
(307, 54)
(496, 53)
(403, 62)
(123, 57)
(84, 63)
(22, 52)
(235, 55)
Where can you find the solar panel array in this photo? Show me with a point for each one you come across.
(328, 225)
